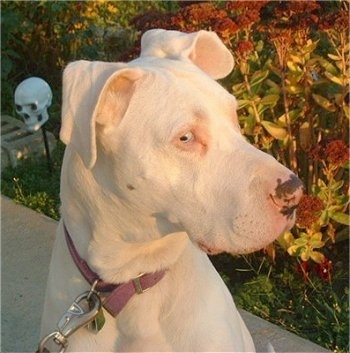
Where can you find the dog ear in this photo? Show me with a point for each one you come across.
(86, 87)
(203, 48)
(115, 96)
(211, 55)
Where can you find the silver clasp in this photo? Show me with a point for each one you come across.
(83, 310)
(137, 284)
(57, 338)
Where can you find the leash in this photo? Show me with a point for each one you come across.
(86, 309)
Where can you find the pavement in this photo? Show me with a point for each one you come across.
(26, 244)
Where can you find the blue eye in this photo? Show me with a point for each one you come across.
(186, 138)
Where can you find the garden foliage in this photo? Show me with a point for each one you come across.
(291, 81)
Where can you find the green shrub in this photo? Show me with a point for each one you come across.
(38, 38)
(307, 301)
(33, 185)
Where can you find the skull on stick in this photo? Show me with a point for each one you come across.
(32, 98)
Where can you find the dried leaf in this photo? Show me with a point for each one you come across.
(334, 57)
(305, 136)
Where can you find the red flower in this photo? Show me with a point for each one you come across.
(323, 270)
(78, 6)
(335, 152)
(225, 28)
(245, 46)
(239, 6)
(308, 211)
(338, 21)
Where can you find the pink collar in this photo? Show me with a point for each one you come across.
(119, 294)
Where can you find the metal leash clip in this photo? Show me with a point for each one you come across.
(83, 310)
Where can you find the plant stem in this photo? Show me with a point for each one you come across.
(292, 143)
(255, 109)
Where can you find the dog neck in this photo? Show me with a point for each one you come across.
(117, 244)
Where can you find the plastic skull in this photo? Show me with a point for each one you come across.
(32, 98)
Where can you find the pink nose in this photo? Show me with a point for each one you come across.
(287, 195)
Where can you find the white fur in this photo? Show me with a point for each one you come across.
(136, 198)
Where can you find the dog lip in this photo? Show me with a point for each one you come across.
(208, 250)
(287, 207)
(274, 200)
(284, 203)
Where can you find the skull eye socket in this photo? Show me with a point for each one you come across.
(18, 108)
(33, 106)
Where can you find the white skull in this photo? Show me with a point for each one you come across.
(32, 98)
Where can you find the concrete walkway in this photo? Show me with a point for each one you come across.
(26, 243)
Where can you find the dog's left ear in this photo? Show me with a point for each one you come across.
(203, 48)
(93, 93)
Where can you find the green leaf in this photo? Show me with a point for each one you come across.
(328, 66)
(274, 87)
(286, 240)
(275, 130)
(340, 217)
(311, 46)
(238, 89)
(294, 67)
(317, 256)
(243, 103)
(294, 89)
(258, 77)
(335, 185)
(248, 122)
(324, 102)
(334, 79)
(270, 100)
(6, 67)
(295, 58)
(293, 115)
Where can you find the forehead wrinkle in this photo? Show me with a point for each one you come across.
(200, 115)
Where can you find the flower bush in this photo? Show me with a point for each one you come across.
(291, 80)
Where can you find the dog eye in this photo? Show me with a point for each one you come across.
(188, 137)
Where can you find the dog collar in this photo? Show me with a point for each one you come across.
(119, 294)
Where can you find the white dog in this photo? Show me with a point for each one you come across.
(157, 175)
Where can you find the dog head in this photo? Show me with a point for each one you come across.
(85, 84)
(163, 135)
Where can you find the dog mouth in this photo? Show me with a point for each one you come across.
(208, 250)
